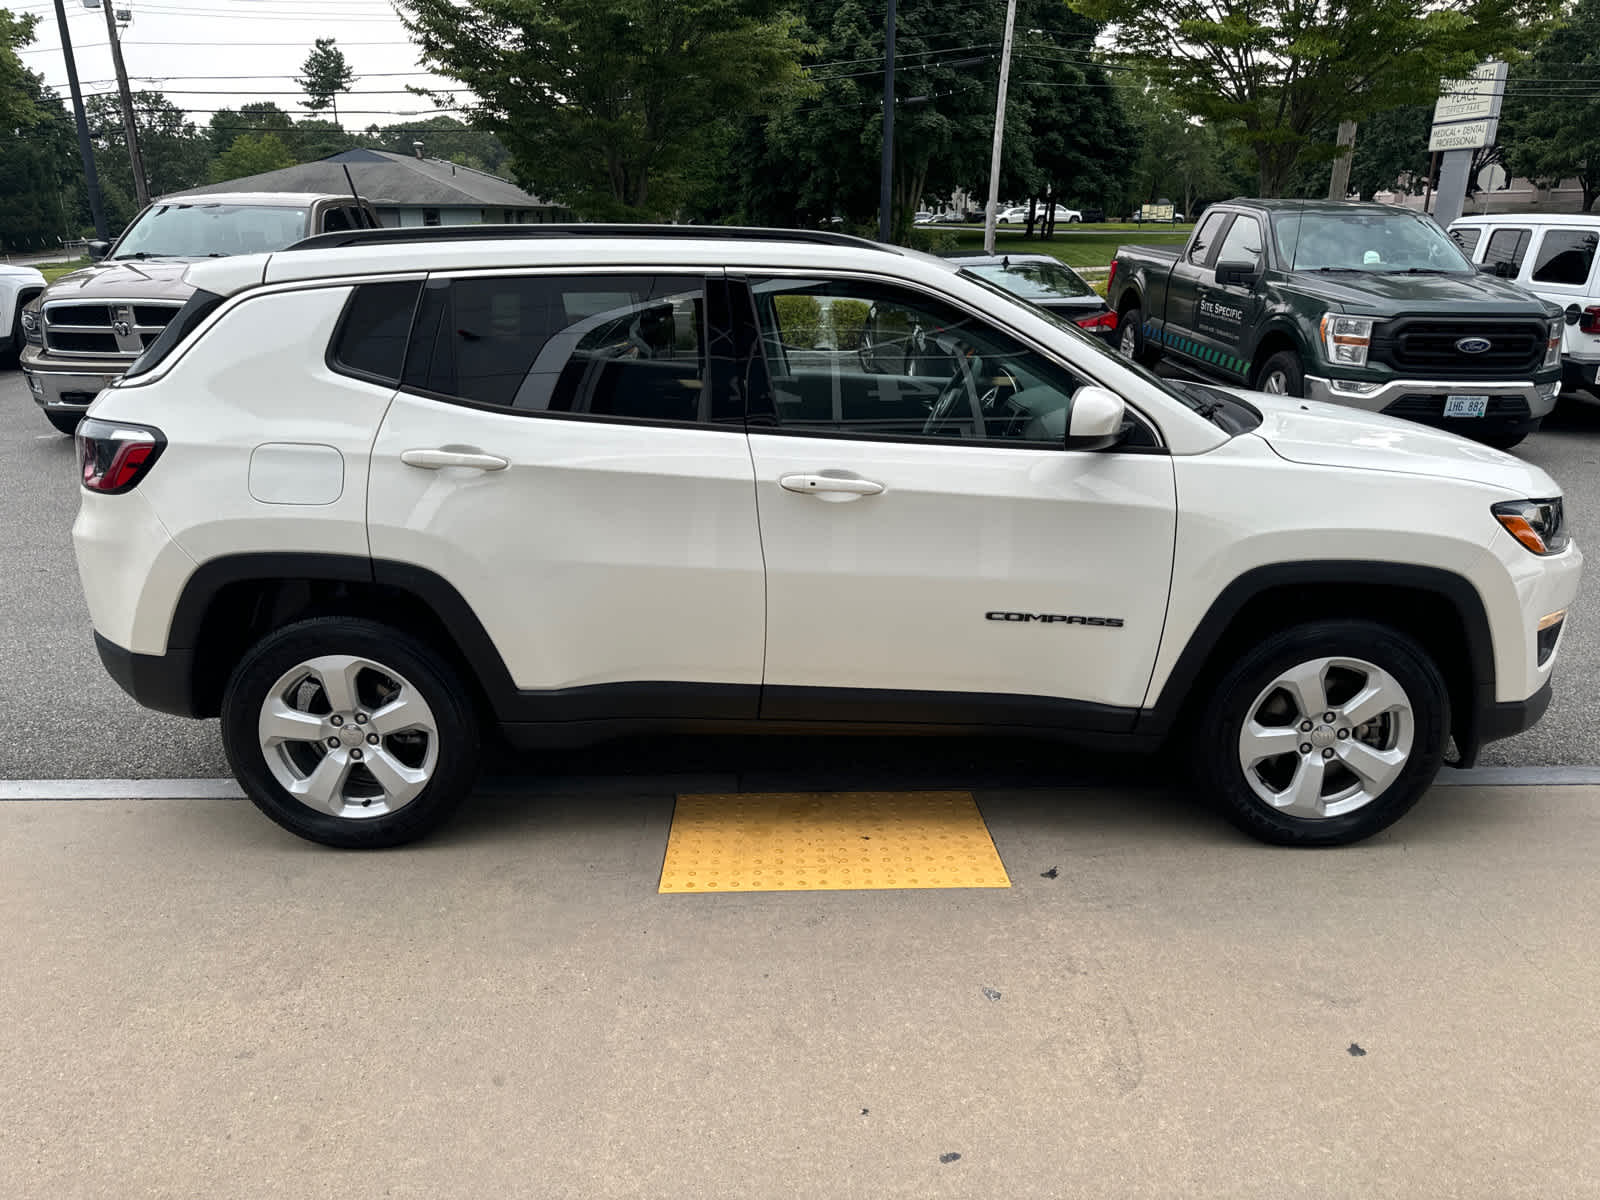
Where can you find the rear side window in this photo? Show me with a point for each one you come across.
(1565, 257)
(371, 339)
(1200, 248)
(1467, 238)
(630, 347)
(200, 306)
(1508, 246)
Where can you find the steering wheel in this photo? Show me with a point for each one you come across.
(950, 396)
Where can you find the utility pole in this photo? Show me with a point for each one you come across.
(886, 168)
(141, 188)
(999, 130)
(1339, 181)
(85, 147)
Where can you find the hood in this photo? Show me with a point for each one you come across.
(1383, 295)
(1330, 435)
(125, 279)
(12, 270)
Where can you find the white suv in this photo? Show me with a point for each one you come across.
(370, 494)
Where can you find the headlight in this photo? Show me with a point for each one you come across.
(1540, 525)
(1552, 348)
(1346, 339)
(30, 326)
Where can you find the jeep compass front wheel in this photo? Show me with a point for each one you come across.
(349, 733)
(1325, 733)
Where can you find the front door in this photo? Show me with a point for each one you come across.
(1224, 312)
(945, 559)
(566, 454)
(1181, 334)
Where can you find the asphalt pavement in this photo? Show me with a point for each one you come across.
(66, 719)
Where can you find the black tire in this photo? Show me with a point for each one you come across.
(1294, 375)
(1131, 325)
(1502, 441)
(65, 422)
(1074, 220)
(455, 727)
(1221, 724)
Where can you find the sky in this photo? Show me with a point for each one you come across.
(211, 54)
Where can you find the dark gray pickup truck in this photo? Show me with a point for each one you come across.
(1364, 305)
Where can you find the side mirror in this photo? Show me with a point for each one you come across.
(1500, 270)
(1238, 274)
(97, 249)
(1097, 419)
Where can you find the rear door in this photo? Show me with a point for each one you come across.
(1182, 332)
(567, 452)
(1561, 269)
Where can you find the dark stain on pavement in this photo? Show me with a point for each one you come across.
(1356, 1051)
(991, 993)
(949, 1158)
(1050, 874)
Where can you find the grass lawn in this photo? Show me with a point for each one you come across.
(1094, 248)
(55, 271)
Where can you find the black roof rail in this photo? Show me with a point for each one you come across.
(482, 233)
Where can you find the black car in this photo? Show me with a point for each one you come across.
(1050, 284)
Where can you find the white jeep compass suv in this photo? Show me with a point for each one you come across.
(369, 495)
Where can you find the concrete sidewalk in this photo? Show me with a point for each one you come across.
(199, 1005)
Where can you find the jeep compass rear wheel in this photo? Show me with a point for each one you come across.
(349, 733)
(1325, 733)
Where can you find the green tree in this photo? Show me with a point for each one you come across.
(17, 91)
(39, 176)
(1550, 129)
(326, 77)
(175, 152)
(1276, 74)
(1391, 152)
(262, 117)
(603, 103)
(251, 154)
(1175, 156)
(442, 137)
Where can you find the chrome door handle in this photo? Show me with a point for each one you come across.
(434, 460)
(833, 485)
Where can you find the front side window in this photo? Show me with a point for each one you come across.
(1243, 243)
(1565, 257)
(862, 359)
(1508, 246)
(1200, 248)
(197, 229)
(610, 346)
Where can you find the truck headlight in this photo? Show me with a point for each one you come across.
(1552, 348)
(1540, 525)
(30, 327)
(1346, 339)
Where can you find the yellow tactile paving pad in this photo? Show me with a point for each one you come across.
(829, 841)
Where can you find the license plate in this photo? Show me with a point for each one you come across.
(1465, 406)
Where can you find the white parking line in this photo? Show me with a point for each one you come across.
(227, 789)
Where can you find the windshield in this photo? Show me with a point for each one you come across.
(1035, 280)
(196, 229)
(1365, 240)
(1199, 403)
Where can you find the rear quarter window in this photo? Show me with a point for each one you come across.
(371, 338)
(1566, 256)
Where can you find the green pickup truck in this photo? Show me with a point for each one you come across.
(1364, 305)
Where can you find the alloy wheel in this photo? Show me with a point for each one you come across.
(1326, 737)
(348, 736)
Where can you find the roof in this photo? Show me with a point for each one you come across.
(256, 199)
(387, 179)
(1321, 207)
(1587, 219)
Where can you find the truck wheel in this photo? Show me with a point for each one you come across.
(1282, 375)
(350, 733)
(1131, 343)
(1324, 734)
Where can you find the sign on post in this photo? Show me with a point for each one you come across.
(1472, 99)
(1465, 119)
(1466, 135)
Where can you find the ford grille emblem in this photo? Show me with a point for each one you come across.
(1473, 345)
(123, 329)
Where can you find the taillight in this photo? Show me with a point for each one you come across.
(113, 456)
(1589, 321)
(1105, 320)
(1111, 277)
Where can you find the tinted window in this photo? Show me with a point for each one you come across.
(1467, 238)
(1508, 246)
(1565, 256)
(372, 336)
(601, 345)
(1244, 242)
(863, 359)
(1205, 236)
